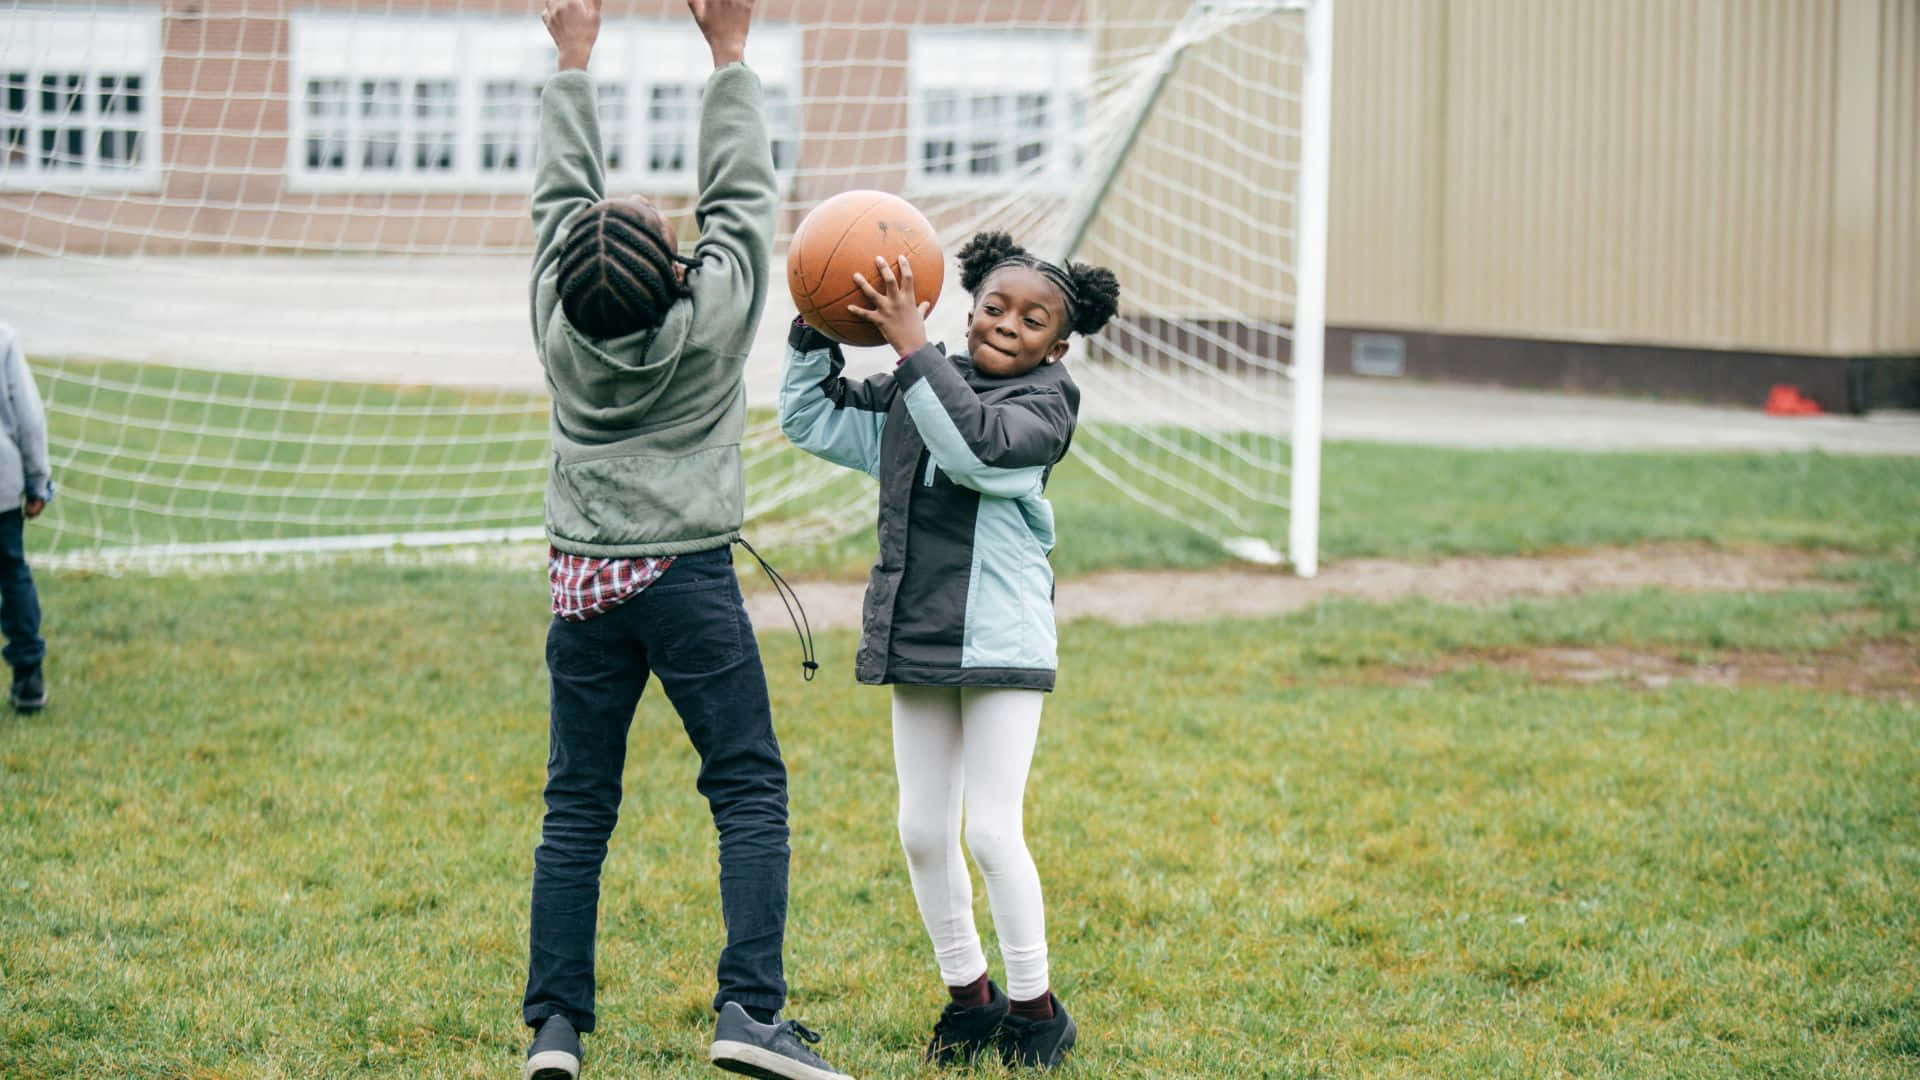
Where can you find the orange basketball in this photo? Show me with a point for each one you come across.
(840, 238)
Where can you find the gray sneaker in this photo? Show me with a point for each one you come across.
(775, 1051)
(555, 1053)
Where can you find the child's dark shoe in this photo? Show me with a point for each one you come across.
(29, 694)
(1036, 1044)
(555, 1053)
(963, 1031)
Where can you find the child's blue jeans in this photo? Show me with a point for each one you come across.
(19, 602)
(690, 630)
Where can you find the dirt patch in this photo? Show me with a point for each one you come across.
(1131, 597)
(1889, 668)
(1875, 668)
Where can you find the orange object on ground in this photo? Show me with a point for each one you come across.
(1787, 400)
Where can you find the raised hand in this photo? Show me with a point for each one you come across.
(724, 24)
(574, 26)
(901, 320)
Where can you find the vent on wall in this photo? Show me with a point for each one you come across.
(1379, 355)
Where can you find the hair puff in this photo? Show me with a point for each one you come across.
(982, 253)
(1098, 292)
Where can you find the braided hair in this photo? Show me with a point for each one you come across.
(616, 271)
(1092, 293)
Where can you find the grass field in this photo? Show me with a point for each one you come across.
(279, 823)
(281, 826)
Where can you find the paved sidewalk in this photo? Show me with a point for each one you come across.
(463, 320)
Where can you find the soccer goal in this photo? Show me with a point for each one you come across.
(269, 260)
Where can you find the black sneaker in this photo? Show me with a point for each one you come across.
(775, 1051)
(555, 1053)
(29, 690)
(1036, 1043)
(963, 1031)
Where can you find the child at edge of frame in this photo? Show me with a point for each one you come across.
(24, 464)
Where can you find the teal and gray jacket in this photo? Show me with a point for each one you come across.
(647, 427)
(961, 593)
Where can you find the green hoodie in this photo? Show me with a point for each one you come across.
(647, 427)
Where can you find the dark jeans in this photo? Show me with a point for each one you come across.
(689, 629)
(19, 602)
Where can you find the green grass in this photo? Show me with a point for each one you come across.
(149, 454)
(281, 826)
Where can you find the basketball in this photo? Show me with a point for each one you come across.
(840, 238)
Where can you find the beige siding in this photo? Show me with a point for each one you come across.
(1896, 320)
(1719, 173)
(1640, 171)
(1384, 209)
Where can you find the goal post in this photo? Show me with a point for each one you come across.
(269, 262)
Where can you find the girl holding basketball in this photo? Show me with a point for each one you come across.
(958, 616)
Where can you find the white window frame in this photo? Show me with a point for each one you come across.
(94, 45)
(1056, 63)
(631, 59)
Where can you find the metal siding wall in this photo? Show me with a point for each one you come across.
(1715, 173)
(1640, 171)
(1385, 224)
(1897, 266)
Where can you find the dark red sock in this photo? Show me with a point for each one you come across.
(1040, 1008)
(973, 995)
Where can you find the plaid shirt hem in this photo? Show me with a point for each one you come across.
(584, 586)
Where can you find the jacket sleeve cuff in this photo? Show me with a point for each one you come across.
(806, 339)
(913, 366)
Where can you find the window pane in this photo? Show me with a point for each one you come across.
(783, 122)
(119, 148)
(380, 124)
(63, 149)
(983, 157)
(14, 155)
(509, 109)
(326, 124)
(1030, 111)
(668, 119)
(16, 99)
(937, 157)
(943, 108)
(63, 135)
(60, 94)
(612, 100)
(435, 114)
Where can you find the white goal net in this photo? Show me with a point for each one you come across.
(268, 261)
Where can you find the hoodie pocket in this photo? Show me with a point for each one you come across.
(643, 499)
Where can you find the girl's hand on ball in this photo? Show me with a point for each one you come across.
(574, 26)
(901, 320)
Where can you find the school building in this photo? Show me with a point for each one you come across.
(1696, 199)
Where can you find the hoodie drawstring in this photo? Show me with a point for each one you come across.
(801, 626)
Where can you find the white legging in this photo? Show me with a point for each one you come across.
(971, 746)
